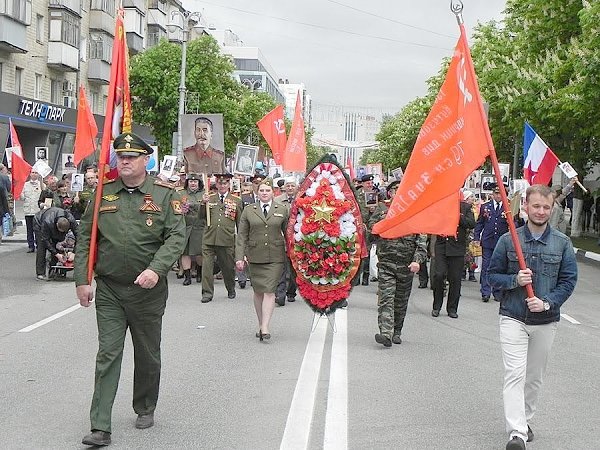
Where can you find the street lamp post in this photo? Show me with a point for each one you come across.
(188, 21)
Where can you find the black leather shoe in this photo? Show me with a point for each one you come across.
(242, 284)
(291, 299)
(485, 299)
(231, 294)
(396, 339)
(453, 315)
(365, 281)
(383, 340)
(144, 421)
(31, 250)
(280, 301)
(97, 438)
(529, 434)
(206, 299)
(472, 278)
(422, 286)
(435, 312)
(516, 443)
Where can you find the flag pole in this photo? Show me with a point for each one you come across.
(456, 6)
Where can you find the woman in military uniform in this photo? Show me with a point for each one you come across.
(195, 221)
(261, 242)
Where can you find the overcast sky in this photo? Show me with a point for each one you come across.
(371, 54)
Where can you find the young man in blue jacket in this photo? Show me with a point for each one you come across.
(528, 324)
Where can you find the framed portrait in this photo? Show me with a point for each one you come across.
(42, 167)
(41, 153)
(245, 159)
(374, 169)
(371, 198)
(68, 166)
(77, 182)
(398, 173)
(168, 166)
(203, 130)
(275, 171)
(236, 185)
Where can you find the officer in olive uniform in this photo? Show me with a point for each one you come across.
(398, 260)
(219, 237)
(141, 232)
(194, 211)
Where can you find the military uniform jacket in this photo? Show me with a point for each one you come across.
(224, 218)
(491, 224)
(207, 161)
(262, 239)
(457, 245)
(403, 250)
(138, 230)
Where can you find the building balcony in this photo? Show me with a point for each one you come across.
(13, 35)
(135, 42)
(140, 5)
(63, 57)
(72, 5)
(98, 71)
(157, 18)
(101, 20)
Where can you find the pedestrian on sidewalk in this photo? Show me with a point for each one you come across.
(528, 325)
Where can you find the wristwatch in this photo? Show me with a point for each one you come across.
(546, 306)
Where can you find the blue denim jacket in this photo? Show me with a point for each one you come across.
(554, 266)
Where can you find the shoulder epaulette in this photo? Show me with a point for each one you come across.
(109, 181)
(159, 182)
(179, 188)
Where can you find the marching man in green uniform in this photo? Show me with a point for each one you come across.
(141, 232)
(219, 237)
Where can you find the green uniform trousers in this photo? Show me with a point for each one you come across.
(119, 307)
(395, 284)
(226, 263)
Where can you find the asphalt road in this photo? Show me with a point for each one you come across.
(307, 388)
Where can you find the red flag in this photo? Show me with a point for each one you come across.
(20, 171)
(86, 131)
(350, 167)
(272, 127)
(294, 158)
(117, 121)
(452, 143)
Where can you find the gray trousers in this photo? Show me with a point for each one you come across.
(525, 352)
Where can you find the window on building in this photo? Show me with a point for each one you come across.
(108, 6)
(56, 92)
(155, 34)
(17, 9)
(249, 64)
(95, 103)
(37, 95)
(18, 80)
(64, 27)
(161, 5)
(39, 28)
(101, 46)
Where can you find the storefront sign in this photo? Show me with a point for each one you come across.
(41, 111)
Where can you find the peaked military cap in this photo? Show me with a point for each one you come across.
(129, 144)
(367, 177)
(393, 185)
(257, 177)
(194, 176)
(222, 176)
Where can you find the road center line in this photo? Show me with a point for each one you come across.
(49, 319)
(297, 426)
(570, 319)
(336, 419)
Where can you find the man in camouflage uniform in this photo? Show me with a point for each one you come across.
(219, 237)
(140, 234)
(399, 260)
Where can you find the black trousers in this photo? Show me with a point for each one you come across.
(450, 268)
(31, 239)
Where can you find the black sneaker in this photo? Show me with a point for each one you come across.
(516, 443)
(396, 339)
(383, 340)
(485, 298)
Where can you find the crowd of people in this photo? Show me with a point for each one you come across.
(233, 228)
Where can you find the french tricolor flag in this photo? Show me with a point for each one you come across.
(539, 162)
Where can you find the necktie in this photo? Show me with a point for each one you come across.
(265, 210)
(222, 197)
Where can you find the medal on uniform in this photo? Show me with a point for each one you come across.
(149, 205)
(149, 220)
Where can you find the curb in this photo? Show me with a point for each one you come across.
(587, 257)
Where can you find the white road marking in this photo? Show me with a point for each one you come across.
(570, 319)
(50, 319)
(336, 419)
(297, 427)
